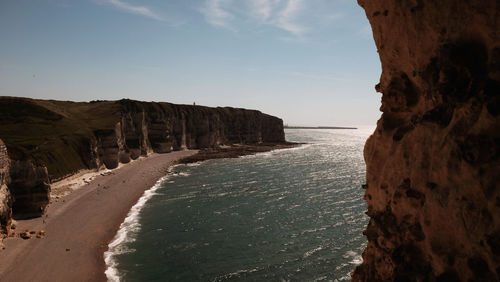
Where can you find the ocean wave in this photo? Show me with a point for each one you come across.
(236, 274)
(304, 208)
(126, 232)
(312, 230)
(346, 277)
(356, 258)
(301, 147)
(311, 252)
(277, 151)
(181, 173)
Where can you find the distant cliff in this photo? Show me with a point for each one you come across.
(433, 163)
(47, 140)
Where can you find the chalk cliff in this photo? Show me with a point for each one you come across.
(433, 162)
(47, 140)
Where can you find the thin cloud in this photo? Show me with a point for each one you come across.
(281, 14)
(138, 10)
(262, 9)
(286, 18)
(215, 14)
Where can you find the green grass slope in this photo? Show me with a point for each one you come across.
(57, 134)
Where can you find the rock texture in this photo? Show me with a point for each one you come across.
(433, 163)
(5, 197)
(47, 140)
(30, 187)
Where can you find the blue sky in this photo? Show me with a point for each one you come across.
(310, 62)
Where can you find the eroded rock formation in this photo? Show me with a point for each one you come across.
(30, 187)
(433, 163)
(5, 197)
(47, 140)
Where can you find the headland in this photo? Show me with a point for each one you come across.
(70, 172)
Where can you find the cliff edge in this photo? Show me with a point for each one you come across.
(44, 140)
(433, 162)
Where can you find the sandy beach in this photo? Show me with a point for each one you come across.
(80, 224)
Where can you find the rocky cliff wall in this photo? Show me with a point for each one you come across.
(163, 127)
(47, 140)
(5, 197)
(433, 162)
(29, 187)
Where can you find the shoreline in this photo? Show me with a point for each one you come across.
(132, 221)
(236, 151)
(129, 224)
(80, 223)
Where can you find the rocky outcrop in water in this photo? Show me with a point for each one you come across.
(433, 163)
(48, 140)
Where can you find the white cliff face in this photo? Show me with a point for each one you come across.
(5, 197)
(433, 163)
(104, 134)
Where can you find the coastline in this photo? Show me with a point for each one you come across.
(81, 223)
(131, 222)
(236, 151)
(79, 226)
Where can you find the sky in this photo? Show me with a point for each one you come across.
(310, 62)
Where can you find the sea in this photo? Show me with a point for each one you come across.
(287, 215)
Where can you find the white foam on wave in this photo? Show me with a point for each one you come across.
(277, 151)
(311, 252)
(300, 147)
(357, 259)
(126, 232)
(237, 273)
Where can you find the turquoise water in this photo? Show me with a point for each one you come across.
(288, 215)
